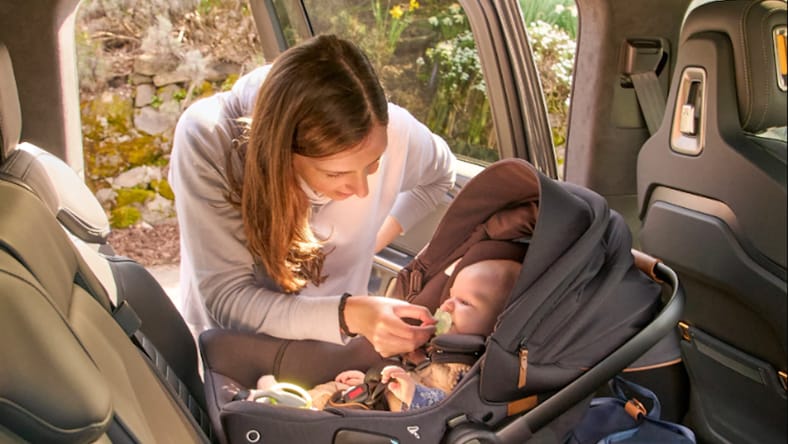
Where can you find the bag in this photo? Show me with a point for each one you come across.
(621, 419)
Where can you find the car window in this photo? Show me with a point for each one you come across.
(427, 61)
(141, 64)
(552, 32)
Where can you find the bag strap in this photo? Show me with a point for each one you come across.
(619, 384)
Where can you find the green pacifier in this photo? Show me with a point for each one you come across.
(444, 322)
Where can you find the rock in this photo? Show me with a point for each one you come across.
(144, 96)
(167, 93)
(106, 196)
(157, 210)
(168, 78)
(154, 121)
(140, 79)
(151, 65)
(139, 176)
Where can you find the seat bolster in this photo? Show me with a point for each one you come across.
(10, 111)
(63, 190)
(50, 389)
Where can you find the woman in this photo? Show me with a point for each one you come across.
(279, 224)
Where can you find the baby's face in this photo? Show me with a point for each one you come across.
(478, 295)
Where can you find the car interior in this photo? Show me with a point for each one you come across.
(673, 112)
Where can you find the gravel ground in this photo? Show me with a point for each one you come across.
(151, 245)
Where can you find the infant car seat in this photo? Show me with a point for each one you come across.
(580, 312)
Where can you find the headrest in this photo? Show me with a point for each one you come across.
(10, 112)
(61, 189)
(754, 30)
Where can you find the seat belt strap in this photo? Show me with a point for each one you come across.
(650, 97)
(127, 318)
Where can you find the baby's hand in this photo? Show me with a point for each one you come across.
(400, 383)
(350, 377)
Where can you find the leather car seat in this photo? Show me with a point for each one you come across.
(712, 199)
(70, 371)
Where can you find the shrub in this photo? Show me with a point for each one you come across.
(124, 217)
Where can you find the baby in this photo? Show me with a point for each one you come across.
(476, 298)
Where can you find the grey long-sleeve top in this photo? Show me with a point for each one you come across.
(221, 285)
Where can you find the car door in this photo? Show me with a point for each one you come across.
(464, 69)
(712, 194)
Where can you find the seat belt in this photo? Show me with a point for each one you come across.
(651, 98)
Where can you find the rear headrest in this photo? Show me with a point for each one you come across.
(754, 30)
(61, 189)
(10, 112)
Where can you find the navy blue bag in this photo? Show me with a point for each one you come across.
(621, 419)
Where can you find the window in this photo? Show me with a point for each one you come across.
(552, 32)
(427, 61)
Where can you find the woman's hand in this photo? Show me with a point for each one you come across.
(380, 320)
(350, 377)
(400, 383)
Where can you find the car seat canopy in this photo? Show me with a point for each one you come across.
(579, 295)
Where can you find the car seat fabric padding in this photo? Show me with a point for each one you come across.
(463, 225)
(137, 395)
(578, 298)
(247, 356)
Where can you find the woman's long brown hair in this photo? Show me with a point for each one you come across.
(319, 98)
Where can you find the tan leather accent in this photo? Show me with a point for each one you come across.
(685, 331)
(651, 367)
(521, 405)
(523, 367)
(646, 263)
(634, 408)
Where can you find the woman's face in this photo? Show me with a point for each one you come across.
(344, 174)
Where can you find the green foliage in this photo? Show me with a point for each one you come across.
(155, 102)
(229, 82)
(125, 216)
(554, 52)
(162, 187)
(130, 196)
(390, 22)
(561, 13)
(110, 141)
(460, 109)
(179, 95)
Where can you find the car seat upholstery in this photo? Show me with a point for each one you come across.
(70, 372)
(712, 197)
(61, 339)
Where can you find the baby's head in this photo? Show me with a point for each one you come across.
(479, 294)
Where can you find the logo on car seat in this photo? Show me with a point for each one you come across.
(414, 430)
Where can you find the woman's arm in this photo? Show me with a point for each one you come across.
(387, 233)
(429, 171)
